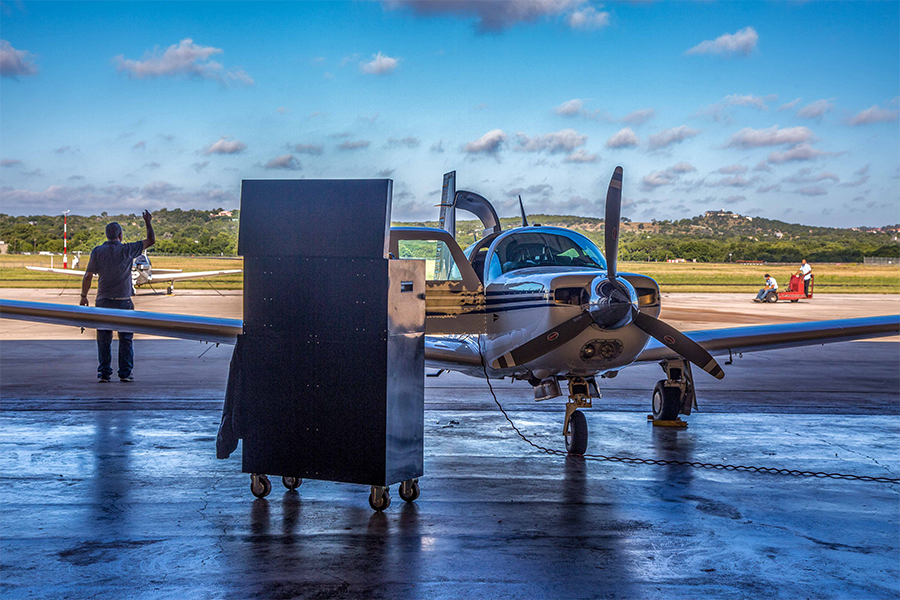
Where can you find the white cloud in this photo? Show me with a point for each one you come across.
(407, 142)
(159, 189)
(285, 161)
(438, 147)
(668, 137)
(565, 140)
(141, 145)
(657, 179)
(10, 162)
(873, 114)
(540, 189)
(225, 145)
(66, 150)
(569, 108)
(311, 149)
(489, 143)
(789, 105)
(580, 156)
(625, 138)
(736, 181)
(354, 145)
(16, 63)
(814, 110)
(764, 189)
(182, 59)
(639, 117)
(492, 15)
(799, 152)
(772, 136)
(762, 166)
(199, 166)
(380, 64)
(748, 100)
(682, 167)
(587, 18)
(732, 169)
(734, 199)
(740, 42)
(815, 190)
(669, 176)
(805, 175)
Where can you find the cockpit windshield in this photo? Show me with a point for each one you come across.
(561, 248)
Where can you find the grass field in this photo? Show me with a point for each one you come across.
(14, 274)
(677, 277)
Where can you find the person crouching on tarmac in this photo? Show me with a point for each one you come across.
(112, 262)
(771, 286)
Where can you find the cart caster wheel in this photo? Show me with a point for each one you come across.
(260, 486)
(577, 433)
(409, 490)
(380, 498)
(291, 483)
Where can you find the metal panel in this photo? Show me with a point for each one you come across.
(315, 217)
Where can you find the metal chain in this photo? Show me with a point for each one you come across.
(682, 463)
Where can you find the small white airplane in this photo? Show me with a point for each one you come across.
(143, 274)
(537, 304)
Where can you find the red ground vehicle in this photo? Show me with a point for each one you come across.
(794, 293)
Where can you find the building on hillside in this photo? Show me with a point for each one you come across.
(222, 213)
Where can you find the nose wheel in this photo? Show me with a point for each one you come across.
(576, 433)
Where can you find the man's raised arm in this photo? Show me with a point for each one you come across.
(151, 237)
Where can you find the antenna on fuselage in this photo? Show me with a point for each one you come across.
(522, 208)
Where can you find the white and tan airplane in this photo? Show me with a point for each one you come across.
(536, 304)
(142, 273)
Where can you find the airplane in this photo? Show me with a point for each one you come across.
(536, 304)
(143, 274)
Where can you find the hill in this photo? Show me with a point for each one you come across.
(716, 236)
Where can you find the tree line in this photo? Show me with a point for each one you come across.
(717, 238)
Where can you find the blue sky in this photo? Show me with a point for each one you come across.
(786, 110)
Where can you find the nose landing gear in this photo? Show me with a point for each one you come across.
(575, 428)
(675, 394)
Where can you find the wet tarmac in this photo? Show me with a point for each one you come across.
(114, 491)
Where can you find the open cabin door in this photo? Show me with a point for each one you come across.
(454, 295)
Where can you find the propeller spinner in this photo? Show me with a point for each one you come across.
(613, 305)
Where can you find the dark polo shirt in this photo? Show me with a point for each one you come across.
(112, 262)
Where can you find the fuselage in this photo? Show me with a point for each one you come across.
(536, 278)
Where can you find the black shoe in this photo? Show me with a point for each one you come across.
(103, 380)
(128, 379)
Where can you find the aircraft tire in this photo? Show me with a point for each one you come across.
(409, 490)
(261, 488)
(666, 401)
(379, 498)
(577, 434)
(291, 483)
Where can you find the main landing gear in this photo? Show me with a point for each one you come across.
(675, 394)
(170, 290)
(379, 496)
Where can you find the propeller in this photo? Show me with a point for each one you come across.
(613, 304)
(522, 208)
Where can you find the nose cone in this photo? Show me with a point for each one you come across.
(613, 303)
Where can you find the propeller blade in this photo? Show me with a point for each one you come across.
(544, 343)
(522, 207)
(613, 217)
(680, 343)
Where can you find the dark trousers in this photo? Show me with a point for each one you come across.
(806, 287)
(104, 343)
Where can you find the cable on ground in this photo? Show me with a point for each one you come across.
(682, 463)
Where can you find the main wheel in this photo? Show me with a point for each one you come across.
(379, 498)
(772, 297)
(291, 483)
(666, 402)
(795, 301)
(260, 486)
(409, 490)
(577, 433)
(169, 290)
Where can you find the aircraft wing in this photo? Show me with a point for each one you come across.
(190, 275)
(155, 270)
(72, 272)
(188, 327)
(788, 335)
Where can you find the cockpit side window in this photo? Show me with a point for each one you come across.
(546, 249)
